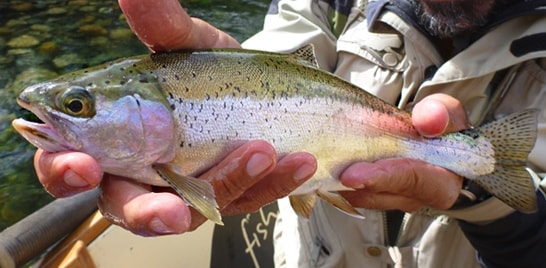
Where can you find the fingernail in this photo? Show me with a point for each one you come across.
(74, 180)
(157, 226)
(257, 164)
(304, 172)
(359, 187)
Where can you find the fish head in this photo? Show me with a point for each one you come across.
(120, 124)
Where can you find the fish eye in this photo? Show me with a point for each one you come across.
(76, 101)
(75, 106)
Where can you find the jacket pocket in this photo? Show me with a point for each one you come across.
(384, 48)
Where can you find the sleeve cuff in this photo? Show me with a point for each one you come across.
(491, 209)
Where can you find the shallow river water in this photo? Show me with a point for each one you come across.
(42, 39)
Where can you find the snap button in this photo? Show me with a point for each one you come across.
(390, 59)
(374, 251)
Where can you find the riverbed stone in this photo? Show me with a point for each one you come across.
(121, 33)
(57, 11)
(48, 47)
(93, 29)
(40, 28)
(23, 41)
(67, 60)
(21, 7)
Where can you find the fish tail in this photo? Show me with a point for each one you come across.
(513, 138)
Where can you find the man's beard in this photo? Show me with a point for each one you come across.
(450, 18)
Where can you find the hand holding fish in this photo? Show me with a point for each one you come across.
(407, 184)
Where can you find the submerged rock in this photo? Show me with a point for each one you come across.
(56, 11)
(21, 7)
(93, 29)
(48, 47)
(121, 33)
(23, 41)
(66, 60)
(40, 28)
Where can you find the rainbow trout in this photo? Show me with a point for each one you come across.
(164, 118)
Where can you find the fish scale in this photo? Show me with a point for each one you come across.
(165, 118)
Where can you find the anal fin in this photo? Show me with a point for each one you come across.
(339, 202)
(195, 192)
(303, 204)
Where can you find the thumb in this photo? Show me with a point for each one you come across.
(438, 114)
(164, 25)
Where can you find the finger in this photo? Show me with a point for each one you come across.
(381, 201)
(290, 172)
(438, 114)
(67, 173)
(135, 207)
(432, 185)
(164, 25)
(238, 172)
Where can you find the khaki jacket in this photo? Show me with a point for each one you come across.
(397, 62)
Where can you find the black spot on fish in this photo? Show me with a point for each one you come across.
(121, 83)
(176, 77)
(107, 82)
(193, 74)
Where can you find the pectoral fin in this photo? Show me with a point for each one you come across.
(196, 192)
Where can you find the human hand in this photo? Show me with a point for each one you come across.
(249, 178)
(408, 184)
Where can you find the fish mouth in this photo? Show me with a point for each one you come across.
(41, 135)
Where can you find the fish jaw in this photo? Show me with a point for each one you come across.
(42, 135)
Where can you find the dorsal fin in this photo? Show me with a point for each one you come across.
(306, 55)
